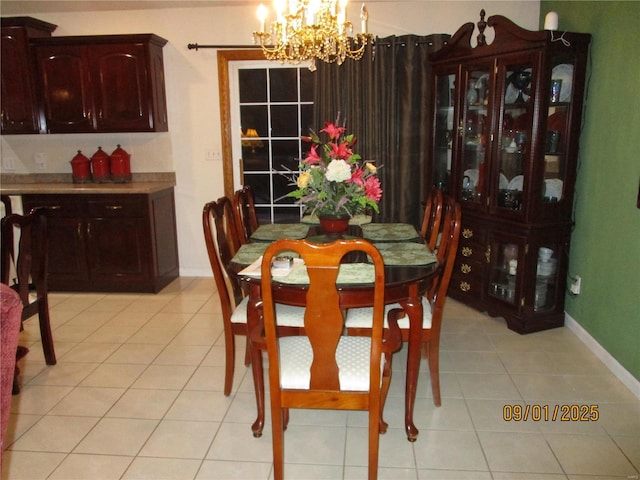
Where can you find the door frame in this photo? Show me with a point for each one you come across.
(224, 57)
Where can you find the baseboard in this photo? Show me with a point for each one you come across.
(605, 357)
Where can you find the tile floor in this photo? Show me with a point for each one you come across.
(137, 394)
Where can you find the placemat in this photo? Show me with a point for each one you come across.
(276, 231)
(389, 231)
(249, 252)
(405, 253)
(349, 273)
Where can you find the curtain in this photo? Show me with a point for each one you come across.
(384, 99)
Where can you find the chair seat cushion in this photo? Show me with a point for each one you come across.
(363, 317)
(352, 355)
(287, 315)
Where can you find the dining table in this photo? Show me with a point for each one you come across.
(410, 268)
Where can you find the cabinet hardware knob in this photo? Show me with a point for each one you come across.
(467, 251)
(487, 254)
(465, 287)
(465, 268)
(113, 207)
(467, 233)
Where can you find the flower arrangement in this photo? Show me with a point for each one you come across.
(333, 180)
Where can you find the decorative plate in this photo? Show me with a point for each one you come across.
(516, 183)
(473, 177)
(564, 72)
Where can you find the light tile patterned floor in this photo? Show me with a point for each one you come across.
(137, 394)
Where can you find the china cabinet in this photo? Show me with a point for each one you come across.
(102, 83)
(506, 124)
(20, 107)
(110, 242)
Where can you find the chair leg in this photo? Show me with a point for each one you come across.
(229, 361)
(374, 443)
(45, 333)
(247, 353)
(277, 434)
(384, 390)
(434, 370)
(15, 389)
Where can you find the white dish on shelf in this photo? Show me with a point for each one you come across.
(553, 188)
(516, 183)
(473, 177)
(564, 72)
(504, 182)
(511, 92)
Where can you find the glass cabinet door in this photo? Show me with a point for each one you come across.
(504, 262)
(557, 131)
(474, 131)
(443, 130)
(546, 293)
(514, 139)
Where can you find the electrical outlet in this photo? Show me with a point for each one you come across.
(8, 163)
(576, 284)
(40, 160)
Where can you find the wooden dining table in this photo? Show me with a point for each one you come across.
(409, 270)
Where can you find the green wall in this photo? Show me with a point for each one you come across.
(605, 246)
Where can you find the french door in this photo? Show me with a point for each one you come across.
(270, 107)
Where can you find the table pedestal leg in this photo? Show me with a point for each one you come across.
(413, 308)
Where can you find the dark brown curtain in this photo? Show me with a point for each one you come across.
(384, 99)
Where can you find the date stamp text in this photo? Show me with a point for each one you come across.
(550, 413)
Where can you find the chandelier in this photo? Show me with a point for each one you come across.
(309, 30)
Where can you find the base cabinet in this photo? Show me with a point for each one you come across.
(110, 242)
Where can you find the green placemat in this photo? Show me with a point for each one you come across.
(355, 220)
(349, 273)
(276, 231)
(389, 231)
(405, 253)
(249, 252)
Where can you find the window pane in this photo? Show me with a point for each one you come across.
(307, 82)
(306, 116)
(255, 160)
(286, 215)
(281, 186)
(284, 121)
(252, 85)
(254, 116)
(286, 154)
(284, 85)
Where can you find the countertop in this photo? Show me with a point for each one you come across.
(145, 183)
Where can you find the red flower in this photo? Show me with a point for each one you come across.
(313, 158)
(333, 130)
(357, 177)
(341, 151)
(372, 188)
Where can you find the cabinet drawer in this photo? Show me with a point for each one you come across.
(57, 206)
(469, 269)
(117, 206)
(466, 285)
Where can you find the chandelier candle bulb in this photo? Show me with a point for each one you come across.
(262, 16)
(364, 17)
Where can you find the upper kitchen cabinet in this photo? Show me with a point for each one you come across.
(506, 118)
(20, 107)
(106, 83)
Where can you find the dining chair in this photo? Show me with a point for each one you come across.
(358, 320)
(28, 277)
(221, 239)
(245, 213)
(431, 221)
(324, 368)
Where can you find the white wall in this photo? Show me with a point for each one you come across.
(192, 92)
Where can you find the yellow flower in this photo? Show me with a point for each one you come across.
(304, 179)
(371, 167)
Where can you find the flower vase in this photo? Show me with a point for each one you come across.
(333, 225)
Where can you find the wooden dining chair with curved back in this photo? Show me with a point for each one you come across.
(431, 221)
(28, 277)
(245, 213)
(221, 239)
(433, 302)
(324, 368)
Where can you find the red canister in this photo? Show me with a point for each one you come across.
(80, 168)
(120, 166)
(100, 167)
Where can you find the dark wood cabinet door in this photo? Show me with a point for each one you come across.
(121, 87)
(65, 82)
(19, 111)
(66, 250)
